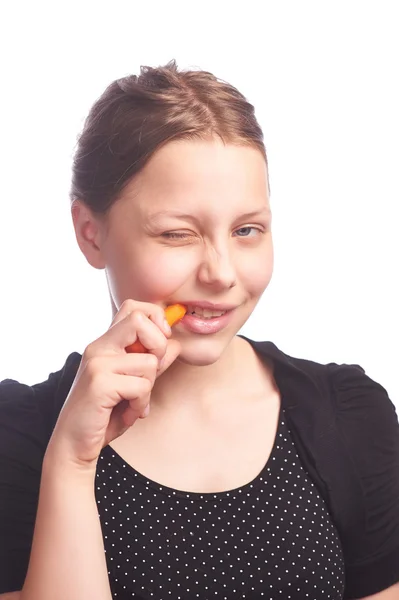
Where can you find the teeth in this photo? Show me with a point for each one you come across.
(205, 312)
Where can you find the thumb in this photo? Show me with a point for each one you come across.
(173, 350)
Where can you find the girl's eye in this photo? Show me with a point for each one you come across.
(247, 231)
(175, 235)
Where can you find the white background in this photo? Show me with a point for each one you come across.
(324, 80)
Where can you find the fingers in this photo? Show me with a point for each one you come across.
(155, 313)
(129, 378)
(173, 349)
(133, 375)
(134, 326)
(139, 365)
(112, 380)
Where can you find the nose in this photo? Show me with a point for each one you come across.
(217, 268)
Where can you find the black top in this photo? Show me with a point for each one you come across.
(346, 437)
(271, 538)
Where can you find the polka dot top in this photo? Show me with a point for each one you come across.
(270, 538)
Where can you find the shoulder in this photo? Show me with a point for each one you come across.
(349, 385)
(27, 416)
(348, 425)
(363, 412)
(30, 411)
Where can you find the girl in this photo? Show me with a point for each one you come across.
(208, 466)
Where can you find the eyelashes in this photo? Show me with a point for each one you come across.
(175, 235)
(249, 231)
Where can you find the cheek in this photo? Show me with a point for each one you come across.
(255, 272)
(157, 275)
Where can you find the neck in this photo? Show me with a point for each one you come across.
(189, 386)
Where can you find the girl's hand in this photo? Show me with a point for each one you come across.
(112, 388)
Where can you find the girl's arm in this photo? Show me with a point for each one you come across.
(67, 558)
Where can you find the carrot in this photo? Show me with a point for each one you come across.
(173, 314)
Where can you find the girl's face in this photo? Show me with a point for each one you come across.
(194, 226)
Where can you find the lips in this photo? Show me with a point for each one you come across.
(206, 318)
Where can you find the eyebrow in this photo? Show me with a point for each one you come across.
(264, 211)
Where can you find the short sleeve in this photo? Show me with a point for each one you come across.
(22, 446)
(27, 417)
(368, 422)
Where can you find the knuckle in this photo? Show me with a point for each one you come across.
(135, 317)
(93, 367)
(159, 312)
(159, 353)
(128, 305)
(152, 361)
(89, 352)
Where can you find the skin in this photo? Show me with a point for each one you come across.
(181, 231)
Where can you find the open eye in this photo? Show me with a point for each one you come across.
(248, 231)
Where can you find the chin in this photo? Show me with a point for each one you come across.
(204, 352)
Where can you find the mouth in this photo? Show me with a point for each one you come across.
(207, 318)
(204, 313)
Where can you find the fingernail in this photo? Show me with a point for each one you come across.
(146, 411)
(161, 364)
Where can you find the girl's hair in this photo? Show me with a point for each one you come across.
(136, 115)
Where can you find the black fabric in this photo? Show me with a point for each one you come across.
(345, 430)
(270, 538)
(27, 417)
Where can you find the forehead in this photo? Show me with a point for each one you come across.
(194, 174)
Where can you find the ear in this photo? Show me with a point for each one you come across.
(89, 231)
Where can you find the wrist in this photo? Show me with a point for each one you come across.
(58, 460)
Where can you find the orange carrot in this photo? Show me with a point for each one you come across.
(173, 314)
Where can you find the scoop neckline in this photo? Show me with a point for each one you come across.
(133, 473)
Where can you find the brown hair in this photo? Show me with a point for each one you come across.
(136, 115)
